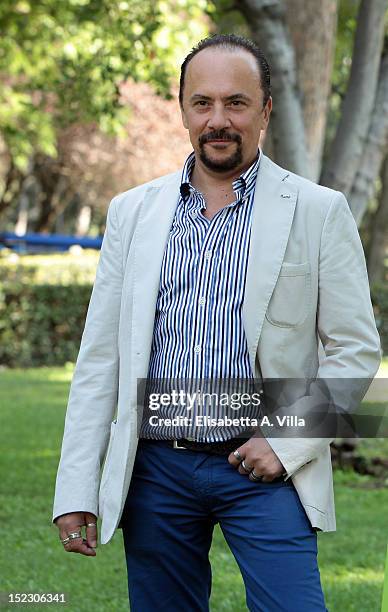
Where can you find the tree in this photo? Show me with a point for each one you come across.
(301, 75)
(378, 241)
(62, 64)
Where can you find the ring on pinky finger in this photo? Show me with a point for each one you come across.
(255, 477)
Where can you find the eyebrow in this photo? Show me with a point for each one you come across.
(239, 96)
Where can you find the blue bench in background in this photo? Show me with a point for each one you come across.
(46, 243)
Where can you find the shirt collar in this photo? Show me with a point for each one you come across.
(242, 186)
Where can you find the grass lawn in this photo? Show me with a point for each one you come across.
(32, 407)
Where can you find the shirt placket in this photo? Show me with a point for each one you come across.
(205, 277)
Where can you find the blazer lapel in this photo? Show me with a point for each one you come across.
(272, 216)
(152, 234)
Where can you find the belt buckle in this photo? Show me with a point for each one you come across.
(176, 445)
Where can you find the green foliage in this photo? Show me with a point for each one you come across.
(63, 62)
(346, 29)
(41, 324)
(227, 18)
(43, 305)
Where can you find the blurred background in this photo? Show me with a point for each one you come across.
(88, 108)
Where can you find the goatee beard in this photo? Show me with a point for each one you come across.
(224, 165)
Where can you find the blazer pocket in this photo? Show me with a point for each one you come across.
(291, 299)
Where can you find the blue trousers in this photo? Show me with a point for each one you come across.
(175, 499)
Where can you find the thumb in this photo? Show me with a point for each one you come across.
(91, 529)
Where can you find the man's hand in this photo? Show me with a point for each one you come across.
(73, 523)
(258, 456)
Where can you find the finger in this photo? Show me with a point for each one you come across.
(242, 471)
(91, 530)
(235, 461)
(80, 546)
(245, 467)
(71, 526)
(251, 477)
(66, 529)
(72, 545)
(270, 477)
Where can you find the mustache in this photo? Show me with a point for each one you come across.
(219, 135)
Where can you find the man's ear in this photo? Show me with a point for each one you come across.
(267, 110)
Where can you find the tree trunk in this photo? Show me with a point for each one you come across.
(346, 151)
(12, 185)
(28, 193)
(378, 240)
(269, 30)
(313, 31)
(55, 188)
(83, 220)
(376, 146)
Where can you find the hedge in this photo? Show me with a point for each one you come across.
(44, 300)
(43, 305)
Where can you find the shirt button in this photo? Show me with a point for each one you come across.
(208, 254)
(197, 349)
(202, 301)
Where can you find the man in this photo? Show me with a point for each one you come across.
(232, 269)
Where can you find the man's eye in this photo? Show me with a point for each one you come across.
(236, 102)
(201, 103)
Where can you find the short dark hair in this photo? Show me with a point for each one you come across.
(231, 41)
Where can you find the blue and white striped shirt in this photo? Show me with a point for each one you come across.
(198, 327)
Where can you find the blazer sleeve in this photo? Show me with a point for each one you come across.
(94, 388)
(346, 328)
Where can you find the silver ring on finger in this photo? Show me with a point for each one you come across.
(246, 467)
(237, 455)
(74, 535)
(91, 524)
(65, 541)
(255, 477)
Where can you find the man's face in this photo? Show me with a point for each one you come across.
(222, 108)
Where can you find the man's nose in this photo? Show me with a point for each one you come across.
(218, 118)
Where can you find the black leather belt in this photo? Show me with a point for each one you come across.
(214, 448)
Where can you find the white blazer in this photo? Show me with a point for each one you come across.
(306, 284)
